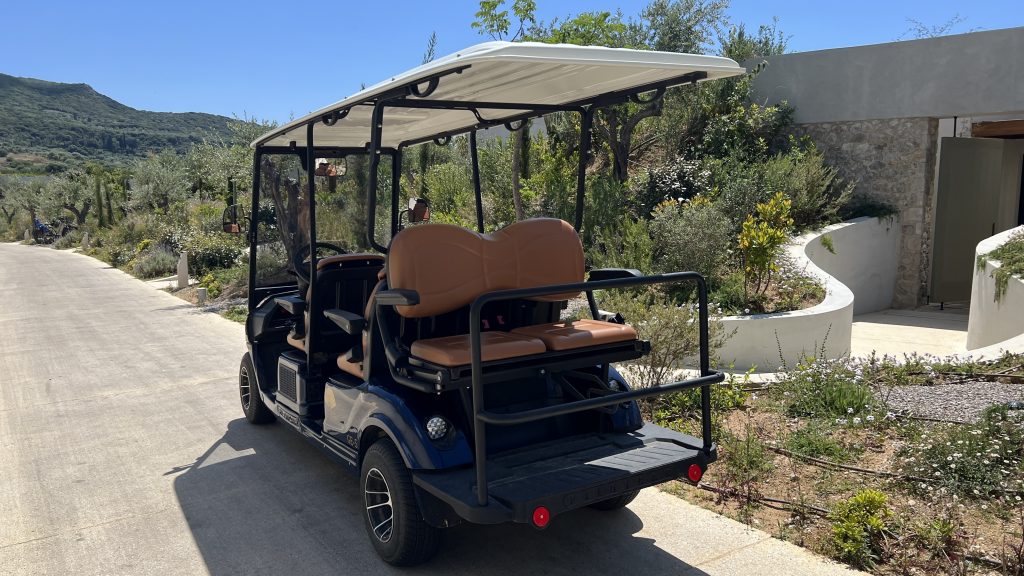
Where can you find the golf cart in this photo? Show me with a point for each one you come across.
(439, 366)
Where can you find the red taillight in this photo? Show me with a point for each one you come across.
(541, 517)
(695, 473)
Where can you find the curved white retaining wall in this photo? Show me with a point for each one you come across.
(866, 257)
(991, 322)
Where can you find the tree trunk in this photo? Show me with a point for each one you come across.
(517, 166)
(80, 215)
(9, 215)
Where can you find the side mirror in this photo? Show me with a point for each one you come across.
(232, 218)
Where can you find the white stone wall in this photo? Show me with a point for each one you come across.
(991, 322)
(867, 257)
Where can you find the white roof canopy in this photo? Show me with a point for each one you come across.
(496, 72)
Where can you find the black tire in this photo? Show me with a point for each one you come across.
(255, 410)
(405, 539)
(615, 503)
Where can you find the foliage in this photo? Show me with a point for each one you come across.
(761, 240)
(210, 250)
(154, 263)
(791, 289)
(1010, 256)
(451, 194)
(815, 190)
(859, 525)
(814, 440)
(693, 236)
(973, 461)
(627, 244)
(673, 332)
(160, 181)
(236, 314)
(745, 462)
(230, 281)
(826, 390)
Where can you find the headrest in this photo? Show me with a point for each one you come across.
(451, 266)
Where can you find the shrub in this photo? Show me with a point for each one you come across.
(815, 189)
(626, 245)
(207, 251)
(230, 281)
(1011, 259)
(858, 528)
(826, 389)
(673, 332)
(761, 241)
(974, 461)
(814, 440)
(154, 263)
(69, 240)
(746, 462)
(694, 236)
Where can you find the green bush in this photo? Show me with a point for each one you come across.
(227, 280)
(625, 245)
(154, 263)
(815, 189)
(858, 528)
(207, 251)
(70, 240)
(827, 389)
(694, 236)
(814, 440)
(761, 240)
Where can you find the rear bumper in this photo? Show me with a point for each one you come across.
(567, 474)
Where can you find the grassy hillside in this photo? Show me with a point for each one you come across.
(48, 126)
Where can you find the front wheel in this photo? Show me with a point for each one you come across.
(255, 410)
(394, 522)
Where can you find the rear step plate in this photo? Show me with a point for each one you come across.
(568, 474)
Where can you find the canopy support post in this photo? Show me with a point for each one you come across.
(376, 126)
(257, 173)
(475, 161)
(581, 174)
(311, 192)
(396, 179)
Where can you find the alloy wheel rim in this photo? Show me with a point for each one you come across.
(379, 509)
(244, 390)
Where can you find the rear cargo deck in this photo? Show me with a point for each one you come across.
(566, 474)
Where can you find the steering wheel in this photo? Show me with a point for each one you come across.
(300, 263)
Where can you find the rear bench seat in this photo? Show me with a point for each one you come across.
(449, 267)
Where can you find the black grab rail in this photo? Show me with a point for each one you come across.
(482, 417)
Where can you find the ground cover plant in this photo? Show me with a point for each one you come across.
(823, 456)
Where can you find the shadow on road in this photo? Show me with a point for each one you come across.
(263, 501)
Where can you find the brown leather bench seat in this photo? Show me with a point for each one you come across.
(448, 267)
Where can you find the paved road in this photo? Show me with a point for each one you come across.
(123, 451)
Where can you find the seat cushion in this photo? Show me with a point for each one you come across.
(578, 333)
(454, 350)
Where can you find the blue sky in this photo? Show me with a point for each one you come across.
(253, 58)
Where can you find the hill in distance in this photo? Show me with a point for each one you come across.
(50, 126)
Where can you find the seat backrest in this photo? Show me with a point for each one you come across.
(449, 266)
(344, 282)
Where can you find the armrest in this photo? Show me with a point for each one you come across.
(350, 322)
(612, 273)
(398, 297)
(291, 304)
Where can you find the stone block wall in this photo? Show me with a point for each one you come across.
(891, 161)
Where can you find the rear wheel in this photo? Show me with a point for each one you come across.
(255, 410)
(394, 522)
(615, 503)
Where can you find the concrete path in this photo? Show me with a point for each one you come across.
(898, 332)
(123, 451)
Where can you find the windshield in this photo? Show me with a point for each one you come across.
(282, 222)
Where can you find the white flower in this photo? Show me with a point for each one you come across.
(856, 420)
(849, 410)
(870, 418)
(746, 310)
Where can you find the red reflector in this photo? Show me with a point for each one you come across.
(694, 473)
(541, 517)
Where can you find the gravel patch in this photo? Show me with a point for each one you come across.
(954, 402)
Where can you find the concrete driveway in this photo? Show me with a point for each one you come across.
(123, 451)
